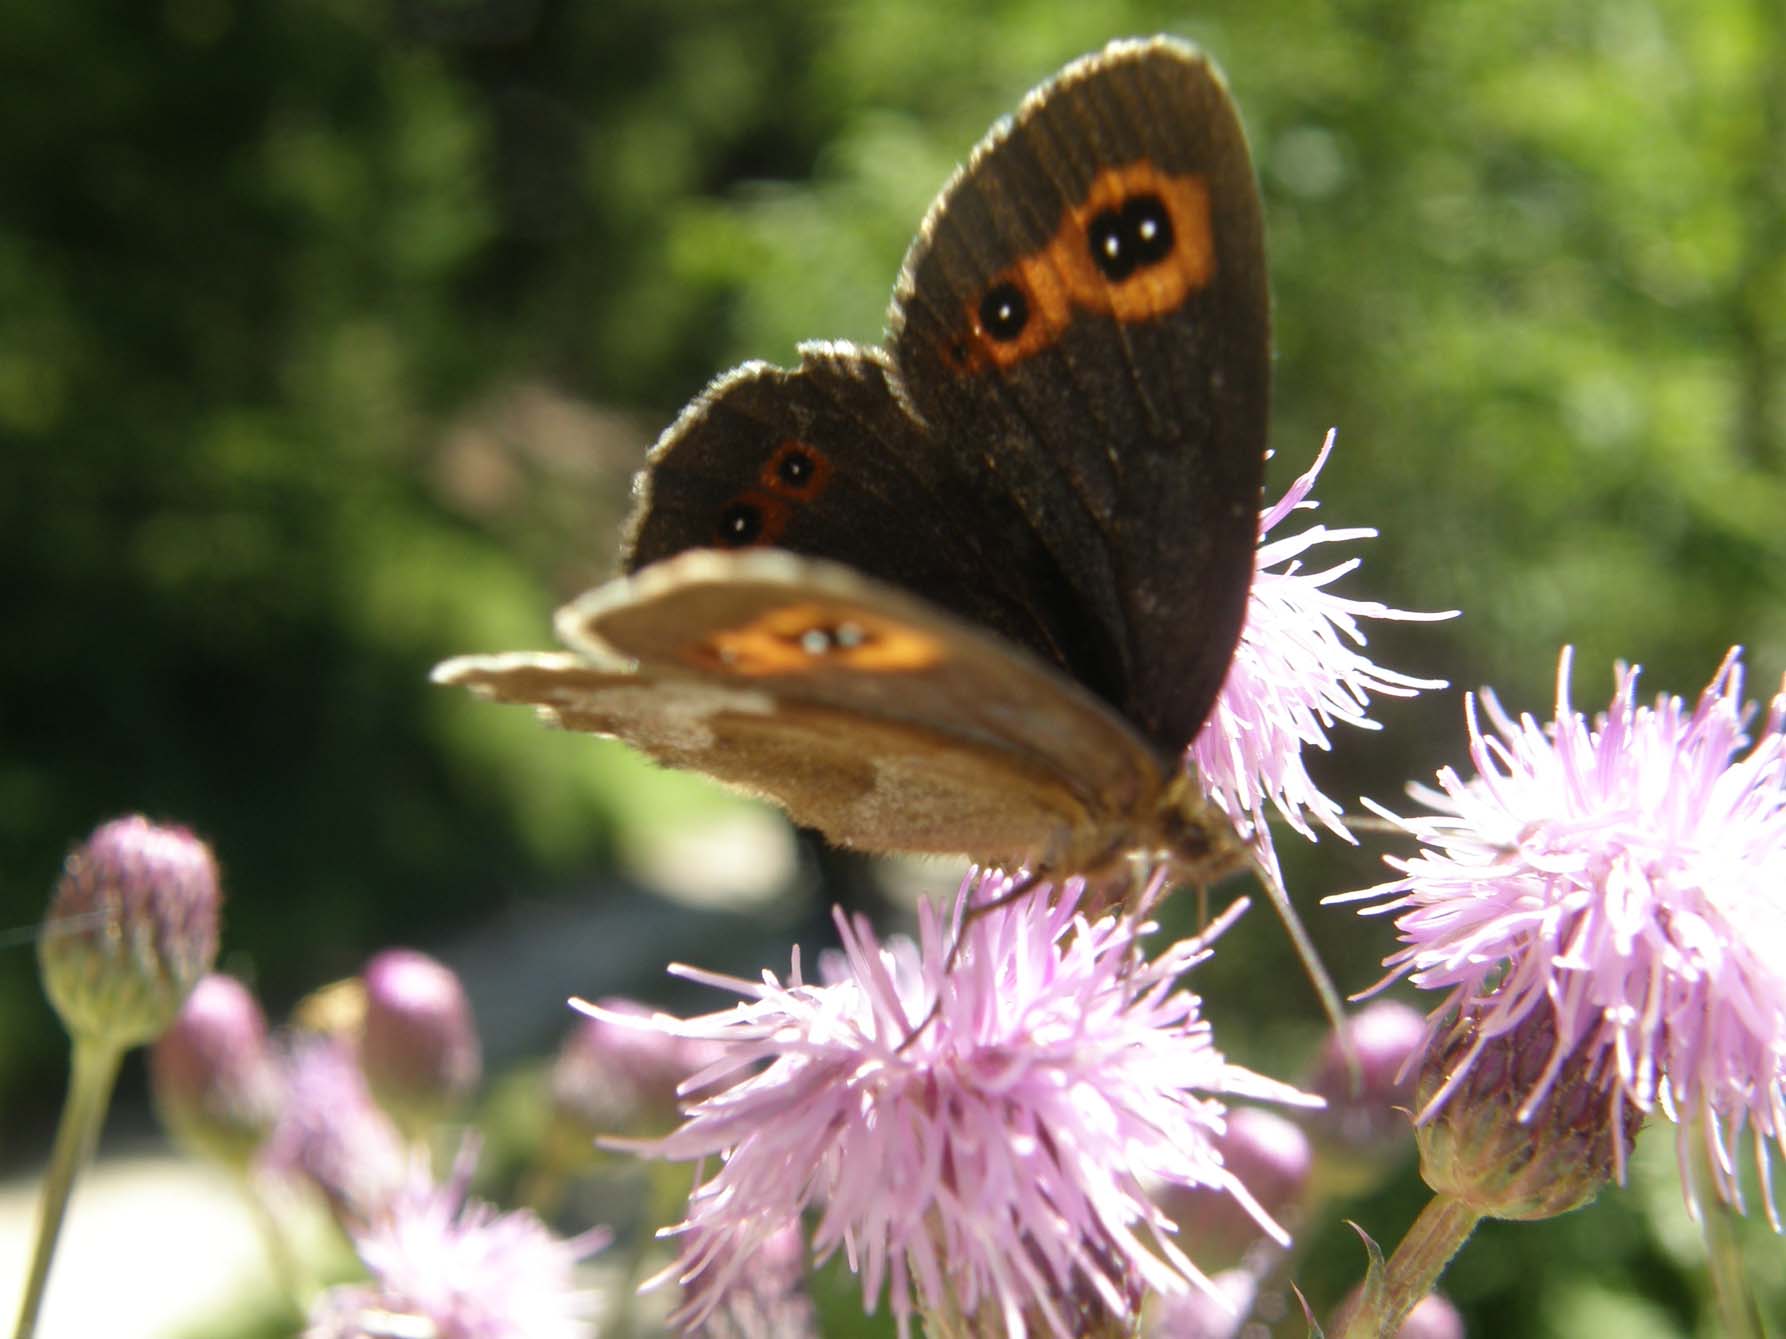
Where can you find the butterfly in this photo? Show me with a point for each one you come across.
(973, 590)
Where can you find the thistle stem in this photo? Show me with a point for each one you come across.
(1738, 1315)
(289, 1275)
(1437, 1235)
(92, 1070)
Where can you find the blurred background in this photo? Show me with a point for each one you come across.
(331, 334)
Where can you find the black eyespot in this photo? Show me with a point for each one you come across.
(1110, 249)
(740, 524)
(794, 468)
(1004, 311)
(1149, 227)
(1124, 240)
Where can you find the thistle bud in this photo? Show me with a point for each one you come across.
(1507, 1141)
(419, 1046)
(1217, 1313)
(1433, 1317)
(214, 1079)
(131, 928)
(611, 1078)
(1272, 1157)
(1366, 1074)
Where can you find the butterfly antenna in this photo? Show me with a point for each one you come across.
(1351, 822)
(1264, 862)
(1374, 823)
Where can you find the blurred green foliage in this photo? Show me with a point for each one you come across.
(330, 333)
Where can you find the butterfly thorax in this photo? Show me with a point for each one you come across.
(1185, 833)
(1199, 841)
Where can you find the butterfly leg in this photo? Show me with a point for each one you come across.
(1204, 847)
(974, 910)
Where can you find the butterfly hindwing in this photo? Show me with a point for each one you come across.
(827, 460)
(869, 715)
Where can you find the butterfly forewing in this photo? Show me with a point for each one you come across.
(1085, 308)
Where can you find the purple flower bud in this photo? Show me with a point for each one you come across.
(1367, 1123)
(131, 928)
(772, 1301)
(611, 1079)
(1199, 1314)
(420, 1045)
(1272, 1158)
(1506, 1140)
(214, 1079)
(1433, 1317)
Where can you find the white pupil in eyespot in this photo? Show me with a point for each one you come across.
(822, 641)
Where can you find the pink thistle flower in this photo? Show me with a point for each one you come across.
(451, 1267)
(1626, 876)
(1295, 673)
(332, 1133)
(978, 1137)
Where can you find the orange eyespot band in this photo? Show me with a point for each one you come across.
(805, 638)
(1064, 276)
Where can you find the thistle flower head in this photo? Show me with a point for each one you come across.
(976, 1135)
(332, 1133)
(1296, 673)
(1627, 876)
(451, 1267)
(131, 928)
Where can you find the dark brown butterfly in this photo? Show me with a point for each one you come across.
(975, 590)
